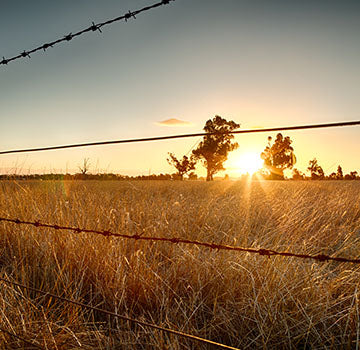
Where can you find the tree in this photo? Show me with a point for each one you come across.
(316, 171)
(354, 175)
(183, 166)
(278, 156)
(351, 176)
(339, 173)
(333, 176)
(215, 147)
(85, 167)
(192, 176)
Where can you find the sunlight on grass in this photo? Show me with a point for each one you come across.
(238, 299)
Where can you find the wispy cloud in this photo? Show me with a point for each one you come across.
(174, 122)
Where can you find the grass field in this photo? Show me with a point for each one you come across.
(239, 299)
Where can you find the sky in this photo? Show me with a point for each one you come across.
(265, 63)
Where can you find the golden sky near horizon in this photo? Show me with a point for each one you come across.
(259, 63)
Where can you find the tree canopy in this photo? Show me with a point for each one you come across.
(183, 166)
(213, 150)
(278, 156)
(316, 171)
(339, 173)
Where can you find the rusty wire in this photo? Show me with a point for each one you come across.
(37, 346)
(160, 138)
(125, 318)
(177, 240)
(93, 28)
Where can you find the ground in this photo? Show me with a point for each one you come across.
(239, 299)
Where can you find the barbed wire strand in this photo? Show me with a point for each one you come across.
(160, 138)
(125, 318)
(93, 28)
(177, 240)
(21, 338)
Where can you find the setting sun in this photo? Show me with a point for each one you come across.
(188, 180)
(248, 163)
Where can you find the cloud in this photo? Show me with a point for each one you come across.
(174, 122)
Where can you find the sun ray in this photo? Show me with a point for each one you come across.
(246, 163)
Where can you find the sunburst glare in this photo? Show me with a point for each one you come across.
(248, 162)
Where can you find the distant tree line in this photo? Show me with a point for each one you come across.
(99, 177)
(278, 157)
(212, 152)
(317, 173)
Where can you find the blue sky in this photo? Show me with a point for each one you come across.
(260, 63)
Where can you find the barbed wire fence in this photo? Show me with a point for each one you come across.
(95, 27)
(172, 240)
(114, 314)
(178, 240)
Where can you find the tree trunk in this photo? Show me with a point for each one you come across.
(278, 174)
(209, 176)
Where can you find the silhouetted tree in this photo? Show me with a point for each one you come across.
(316, 171)
(192, 176)
(351, 176)
(214, 148)
(183, 166)
(354, 175)
(333, 176)
(85, 167)
(278, 156)
(339, 173)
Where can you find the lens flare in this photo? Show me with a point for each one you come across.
(247, 163)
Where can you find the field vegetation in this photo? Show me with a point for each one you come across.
(239, 299)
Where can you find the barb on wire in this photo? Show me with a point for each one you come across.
(94, 27)
(177, 240)
(125, 318)
(161, 138)
(37, 346)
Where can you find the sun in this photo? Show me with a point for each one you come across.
(249, 162)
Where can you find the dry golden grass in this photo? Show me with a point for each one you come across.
(239, 299)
